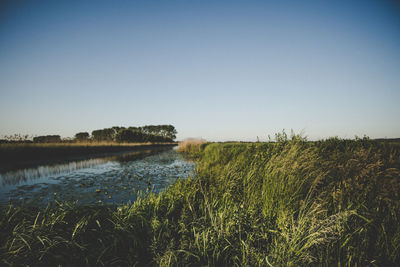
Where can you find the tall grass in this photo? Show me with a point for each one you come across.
(191, 145)
(289, 203)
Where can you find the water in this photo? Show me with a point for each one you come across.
(107, 180)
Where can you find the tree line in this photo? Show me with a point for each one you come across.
(147, 133)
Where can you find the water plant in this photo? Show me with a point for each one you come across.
(285, 203)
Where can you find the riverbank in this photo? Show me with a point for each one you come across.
(108, 180)
(14, 156)
(289, 203)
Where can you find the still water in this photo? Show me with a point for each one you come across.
(106, 180)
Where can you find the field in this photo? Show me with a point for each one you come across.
(286, 203)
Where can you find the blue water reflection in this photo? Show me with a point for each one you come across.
(101, 180)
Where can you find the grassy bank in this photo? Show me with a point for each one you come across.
(18, 155)
(290, 203)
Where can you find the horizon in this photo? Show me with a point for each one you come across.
(234, 70)
(269, 138)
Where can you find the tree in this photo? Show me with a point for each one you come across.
(127, 135)
(148, 133)
(167, 132)
(82, 136)
(47, 139)
(107, 134)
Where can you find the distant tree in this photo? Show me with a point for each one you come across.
(107, 134)
(68, 140)
(17, 138)
(131, 136)
(117, 129)
(170, 132)
(167, 132)
(82, 136)
(132, 128)
(125, 135)
(47, 139)
(148, 133)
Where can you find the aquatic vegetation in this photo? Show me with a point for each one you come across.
(17, 155)
(88, 183)
(285, 203)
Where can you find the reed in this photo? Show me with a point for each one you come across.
(288, 203)
(191, 146)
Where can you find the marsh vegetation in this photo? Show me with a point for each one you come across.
(286, 203)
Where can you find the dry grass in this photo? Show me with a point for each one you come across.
(77, 144)
(189, 144)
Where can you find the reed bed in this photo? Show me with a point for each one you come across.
(289, 203)
(191, 146)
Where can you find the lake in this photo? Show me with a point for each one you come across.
(109, 179)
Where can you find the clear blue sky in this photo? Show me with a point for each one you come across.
(220, 70)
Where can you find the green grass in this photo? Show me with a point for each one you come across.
(291, 203)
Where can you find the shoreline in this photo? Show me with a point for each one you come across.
(17, 157)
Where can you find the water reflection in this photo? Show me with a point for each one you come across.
(29, 174)
(112, 179)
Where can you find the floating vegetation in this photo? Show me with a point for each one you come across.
(121, 179)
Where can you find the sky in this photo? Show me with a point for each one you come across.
(218, 70)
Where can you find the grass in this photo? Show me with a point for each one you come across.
(290, 203)
(74, 144)
(191, 146)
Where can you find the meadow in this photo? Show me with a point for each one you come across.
(290, 202)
